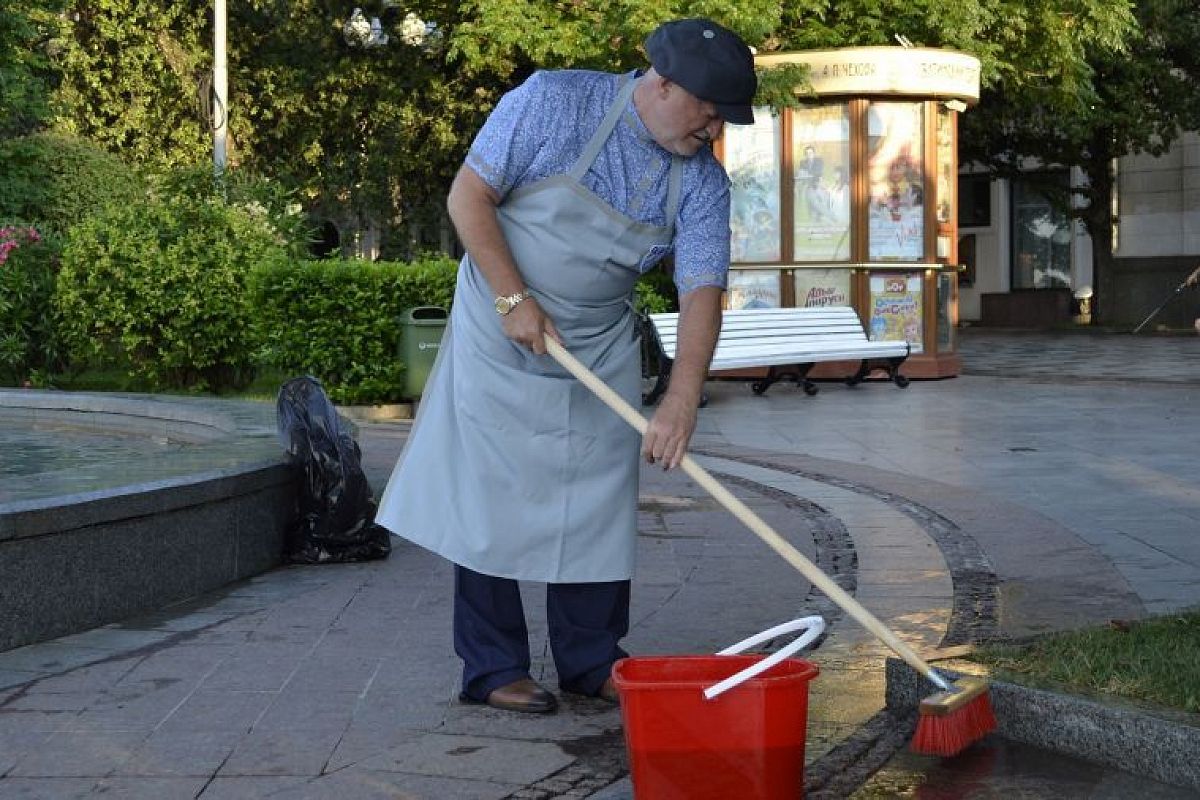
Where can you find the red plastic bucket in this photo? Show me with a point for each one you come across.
(746, 744)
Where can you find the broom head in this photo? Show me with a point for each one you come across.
(951, 721)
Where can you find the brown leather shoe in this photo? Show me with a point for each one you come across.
(608, 692)
(524, 696)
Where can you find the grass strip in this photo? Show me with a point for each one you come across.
(1154, 661)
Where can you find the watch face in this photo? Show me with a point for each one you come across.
(503, 305)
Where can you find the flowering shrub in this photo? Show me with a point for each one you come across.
(28, 263)
(13, 237)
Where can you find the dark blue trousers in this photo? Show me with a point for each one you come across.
(586, 622)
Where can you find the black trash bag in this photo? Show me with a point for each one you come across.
(337, 514)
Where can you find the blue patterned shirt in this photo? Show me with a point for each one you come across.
(540, 128)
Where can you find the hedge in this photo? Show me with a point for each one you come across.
(339, 320)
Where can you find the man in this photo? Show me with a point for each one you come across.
(577, 183)
(809, 173)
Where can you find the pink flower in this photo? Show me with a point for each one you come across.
(10, 239)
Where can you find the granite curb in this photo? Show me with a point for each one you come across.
(1163, 745)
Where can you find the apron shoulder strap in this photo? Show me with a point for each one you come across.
(592, 148)
(674, 190)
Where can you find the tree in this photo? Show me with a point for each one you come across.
(372, 131)
(23, 66)
(1138, 99)
(128, 78)
(1018, 42)
(370, 136)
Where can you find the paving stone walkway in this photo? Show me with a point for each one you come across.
(1004, 503)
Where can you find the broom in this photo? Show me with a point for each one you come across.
(949, 720)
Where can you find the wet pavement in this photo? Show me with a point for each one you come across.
(998, 769)
(1007, 501)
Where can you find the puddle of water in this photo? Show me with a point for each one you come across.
(997, 768)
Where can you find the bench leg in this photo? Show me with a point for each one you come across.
(773, 376)
(660, 386)
(891, 366)
(802, 380)
(864, 367)
(799, 372)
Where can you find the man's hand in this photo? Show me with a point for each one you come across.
(669, 432)
(527, 325)
(670, 429)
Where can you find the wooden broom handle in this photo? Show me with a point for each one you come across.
(750, 519)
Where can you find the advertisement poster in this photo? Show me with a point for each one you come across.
(821, 173)
(817, 288)
(896, 311)
(947, 175)
(752, 159)
(896, 182)
(753, 288)
(945, 308)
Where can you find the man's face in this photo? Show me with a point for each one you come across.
(688, 123)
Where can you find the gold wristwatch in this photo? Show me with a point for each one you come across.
(507, 302)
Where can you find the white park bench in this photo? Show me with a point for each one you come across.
(787, 340)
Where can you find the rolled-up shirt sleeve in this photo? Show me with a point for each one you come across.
(508, 142)
(702, 235)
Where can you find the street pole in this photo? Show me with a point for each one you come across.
(220, 89)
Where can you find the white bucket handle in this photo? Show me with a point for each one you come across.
(815, 627)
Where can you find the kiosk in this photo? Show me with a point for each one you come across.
(849, 197)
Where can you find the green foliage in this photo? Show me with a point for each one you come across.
(1139, 99)
(129, 76)
(1018, 43)
(656, 292)
(23, 65)
(159, 287)
(371, 137)
(264, 199)
(781, 86)
(511, 35)
(56, 180)
(340, 320)
(367, 136)
(28, 265)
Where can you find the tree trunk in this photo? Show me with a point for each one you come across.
(1098, 220)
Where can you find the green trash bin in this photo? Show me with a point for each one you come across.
(421, 330)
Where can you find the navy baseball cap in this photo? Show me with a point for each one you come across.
(710, 61)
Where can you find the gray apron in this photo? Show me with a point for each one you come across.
(513, 468)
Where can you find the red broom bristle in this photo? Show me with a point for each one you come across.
(950, 734)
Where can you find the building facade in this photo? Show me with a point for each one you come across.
(1026, 264)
